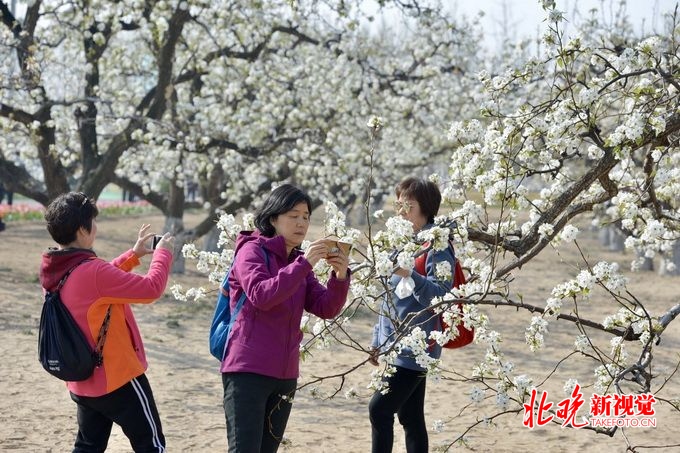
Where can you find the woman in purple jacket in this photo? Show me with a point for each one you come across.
(260, 370)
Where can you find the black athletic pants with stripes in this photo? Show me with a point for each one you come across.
(132, 407)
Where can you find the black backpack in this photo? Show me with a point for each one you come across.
(63, 349)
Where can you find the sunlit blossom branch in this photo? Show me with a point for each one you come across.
(535, 309)
(620, 77)
(529, 246)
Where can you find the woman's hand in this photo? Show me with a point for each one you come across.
(140, 247)
(167, 242)
(316, 250)
(339, 262)
(402, 272)
(373, 354)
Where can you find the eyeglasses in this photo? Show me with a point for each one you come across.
(403, 206)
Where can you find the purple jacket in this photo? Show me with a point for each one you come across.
(266, 336)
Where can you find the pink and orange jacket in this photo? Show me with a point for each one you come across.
(88, 292)
(266, 336)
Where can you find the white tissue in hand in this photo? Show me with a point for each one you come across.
(405, 287)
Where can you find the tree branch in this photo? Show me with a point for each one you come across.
(16, 179)
(157, 97)
(19, 115)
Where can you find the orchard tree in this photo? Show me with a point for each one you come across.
(234, 95)
(586, 133)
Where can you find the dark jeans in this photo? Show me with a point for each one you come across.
(132, 407)
(255, 412)
(406, 398)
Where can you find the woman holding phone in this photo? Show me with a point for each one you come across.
(118, 391)
(260, 369)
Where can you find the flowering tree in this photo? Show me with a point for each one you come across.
(241, 95)
(234, 95)
(591, 125)
(586, 133)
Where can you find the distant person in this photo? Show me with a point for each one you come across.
(118, 391)
(260, 370)
(128, 196)
(418, 202)
(9, 193)
(192, 189)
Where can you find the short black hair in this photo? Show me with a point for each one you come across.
(281, 200)
(425, 192)
(67, 214)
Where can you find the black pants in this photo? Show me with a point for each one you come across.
(255, 411)
(406, 398)
(132, 407)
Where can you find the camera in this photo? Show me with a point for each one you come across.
(156, 240)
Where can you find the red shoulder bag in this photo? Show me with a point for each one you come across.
(465, 336)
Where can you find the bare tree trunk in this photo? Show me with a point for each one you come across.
(210, 241)
(174, 223)
(616, 239)
(673, 261)
(603, 236)
(647, 263)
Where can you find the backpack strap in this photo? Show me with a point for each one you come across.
(239, 303)
(419, 264)
(458, 274)
(63, 279)
(224, 287)
(101, 337)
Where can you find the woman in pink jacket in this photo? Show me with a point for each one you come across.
(118, 390)
(260, 370)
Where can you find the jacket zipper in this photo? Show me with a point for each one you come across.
(130, 333)
(285, 362)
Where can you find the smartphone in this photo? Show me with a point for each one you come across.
(337, 246)
(156, 240)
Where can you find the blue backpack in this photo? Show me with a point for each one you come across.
(224, 318)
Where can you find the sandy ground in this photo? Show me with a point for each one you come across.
(36, 413)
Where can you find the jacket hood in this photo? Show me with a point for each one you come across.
(57, 262)
(275, 245)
